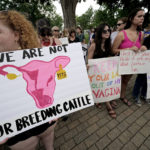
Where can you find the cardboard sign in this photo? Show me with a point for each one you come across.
(41, 84)
(85, 52)
(64, 40)
(148, 86)
(134, 63)
(104, 79)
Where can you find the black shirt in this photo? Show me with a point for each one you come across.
(75, 40)
(147, 42)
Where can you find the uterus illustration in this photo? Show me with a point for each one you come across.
(40, 78)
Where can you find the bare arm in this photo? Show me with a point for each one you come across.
(143, 47)
(91, 51)
(118, 40)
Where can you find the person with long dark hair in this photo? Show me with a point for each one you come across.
(101, 48)
(72, 36)
(45, 33)
(130, 39)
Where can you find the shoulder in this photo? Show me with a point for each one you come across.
(57, 41)
(120, 35)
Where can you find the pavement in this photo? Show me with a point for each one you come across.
(93, 129)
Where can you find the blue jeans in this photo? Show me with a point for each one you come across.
(140, 86)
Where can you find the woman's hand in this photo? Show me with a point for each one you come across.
(143, 48)
(134, 48)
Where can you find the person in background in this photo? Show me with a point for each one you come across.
(45, 34)
(101, 48)
(130, 39)
(72, 36)
(55, 32)
(80, 35)
(140, 86)
(92, 31)
(121, 23)
(65, 33)
(17, 33)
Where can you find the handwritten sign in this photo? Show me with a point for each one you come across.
(133, 63)
(148, 86)
(104, 79)
(64, 40)
(41, 84)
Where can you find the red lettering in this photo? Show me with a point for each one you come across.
(96, 94)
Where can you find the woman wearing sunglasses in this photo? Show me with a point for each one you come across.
(101, 48)
(45, 35)
(120, 26)
(130, 39)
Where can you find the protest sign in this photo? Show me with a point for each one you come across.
(41, 84)
(148, 86)
(64, 40)
(133, 63)
(104, 79)
(85, 51)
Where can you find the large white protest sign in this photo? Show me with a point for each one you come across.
(104, 79)
(39, 85)
(148, 86)
(133, 63)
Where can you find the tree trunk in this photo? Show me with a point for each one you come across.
(68, 8)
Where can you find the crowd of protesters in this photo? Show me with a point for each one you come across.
(17, 33)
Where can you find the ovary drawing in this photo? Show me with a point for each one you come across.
(40, 78)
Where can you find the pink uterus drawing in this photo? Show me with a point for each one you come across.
(40, 78)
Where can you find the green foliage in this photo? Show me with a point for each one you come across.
(104, 16)
(85, 20)
(125, 7)
(33, 9)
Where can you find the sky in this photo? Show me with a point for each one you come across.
(81, 7)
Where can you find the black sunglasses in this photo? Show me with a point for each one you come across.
(105, 31)
(119, 24)
(56, 30)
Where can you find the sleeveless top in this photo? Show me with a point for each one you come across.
(48, 43)
(99, 54)
(127, 43)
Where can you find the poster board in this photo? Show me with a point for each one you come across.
(134, 63)
(148, 86)
(64, 40)
(104, 79)
(41, 84)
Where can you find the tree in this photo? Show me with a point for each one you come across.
(68, 8)
(125, 7)
(33, 9)
(86, 20)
